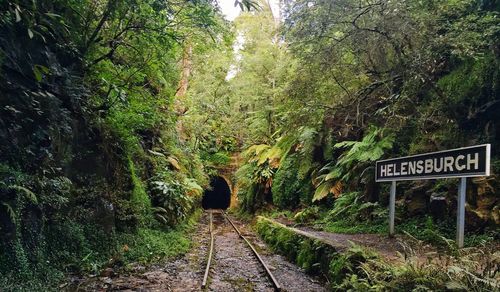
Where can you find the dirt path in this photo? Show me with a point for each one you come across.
(382, 244)
(389, 248)
(234, 267)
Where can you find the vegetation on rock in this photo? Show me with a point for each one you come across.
(115, 114)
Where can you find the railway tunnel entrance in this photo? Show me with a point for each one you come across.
(218, 196)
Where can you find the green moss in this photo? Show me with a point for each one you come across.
(312, 255)
(306, 256)
(359, 269)
(139, 195)
(139, 198)
(347, 227)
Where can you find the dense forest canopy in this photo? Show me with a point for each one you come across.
(115, 114)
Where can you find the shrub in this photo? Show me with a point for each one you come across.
(289, 187)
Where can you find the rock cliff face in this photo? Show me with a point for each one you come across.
(485, 199)
(482, 205)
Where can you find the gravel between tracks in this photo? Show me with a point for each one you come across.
(234, 267)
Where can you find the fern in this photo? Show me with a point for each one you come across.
(27, 193)
(253, 152)
(321, 192)
(354, 162)
(286, 143)
(343, 203)
(192, 187)
(10, 211)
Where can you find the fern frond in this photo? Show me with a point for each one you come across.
(10, 211)
(322, 191)
(335, 173)
(26, 192)
(192, 186)
(161, 219)
(159, 210)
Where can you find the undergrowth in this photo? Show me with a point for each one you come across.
(424, 228)
(359, 269)
(351, 215)
(149, 245)
(80, 249)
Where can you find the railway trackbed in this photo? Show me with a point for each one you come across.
(233, 267)
(224, 219)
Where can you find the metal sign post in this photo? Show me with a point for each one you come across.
(392, 208)
(461, 212)
(463, 162)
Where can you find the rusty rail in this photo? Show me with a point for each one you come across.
(277, 286)
(210, 252)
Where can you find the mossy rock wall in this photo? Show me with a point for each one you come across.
(313, 255)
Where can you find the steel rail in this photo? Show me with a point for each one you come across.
(277, 286)
(210, 252)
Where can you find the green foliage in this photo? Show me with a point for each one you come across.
(139, 197)
(358, 268)
(350, 208)
(347, 226)
(280, 239)
(307, 215)
(349, 263)
(149, 245)
(98, 135)
(442, 233)
(153, 246)
(218, 158)
(255, 178)
(173, 197)
(289, 190)
(357, 162)
(87, 98)
(28, 194)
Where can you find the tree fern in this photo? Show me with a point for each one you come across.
(353, 162)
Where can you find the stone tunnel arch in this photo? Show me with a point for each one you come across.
(218, 195)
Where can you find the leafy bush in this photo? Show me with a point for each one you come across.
(170, 198)
(307, 215)
(289, 188)
(354, 164)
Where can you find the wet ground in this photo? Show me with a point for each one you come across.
(234, 267)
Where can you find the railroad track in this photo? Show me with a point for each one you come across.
(276, 285)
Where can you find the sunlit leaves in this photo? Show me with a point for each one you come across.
(247, 4)
(39, 71)
(353, 162)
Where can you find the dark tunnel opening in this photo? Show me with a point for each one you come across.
(218, 196)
